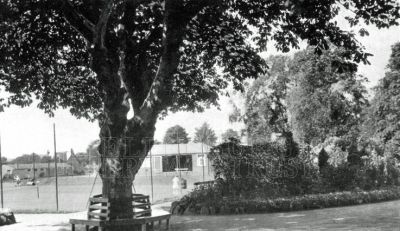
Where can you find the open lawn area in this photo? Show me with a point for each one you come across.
(74, 192)
(379, 216)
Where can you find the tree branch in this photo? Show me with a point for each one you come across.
(159, 94)
(195, 6)
(77, 20)
(101, 26)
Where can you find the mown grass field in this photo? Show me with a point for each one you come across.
(74, 192)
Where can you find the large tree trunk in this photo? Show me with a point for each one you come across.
(121, 159)
(124, 143)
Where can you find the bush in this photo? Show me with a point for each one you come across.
(262, 169)
(198, 200)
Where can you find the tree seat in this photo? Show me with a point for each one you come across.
(98, 214)
(204, 184)
(143, 221)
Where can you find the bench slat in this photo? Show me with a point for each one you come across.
(140, 197)
(140, 213)
(104, 200)
(141, 220)
(98, 214)
(86, 222)
(98, 207)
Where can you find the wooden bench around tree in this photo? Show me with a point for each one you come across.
(143, 217)
(205, 184)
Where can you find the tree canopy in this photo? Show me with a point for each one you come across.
(28, 159)
(383, 116)
(48, 48)
(205, 134)
(265, 105)
(175, 135)
(306, 98)
(324, 101)
(230, 135)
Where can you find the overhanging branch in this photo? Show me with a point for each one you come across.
(101, 26)
(77, 20)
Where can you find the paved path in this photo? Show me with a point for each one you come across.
(379, 216)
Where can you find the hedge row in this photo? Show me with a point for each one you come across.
(313, 201)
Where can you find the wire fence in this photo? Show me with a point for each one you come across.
(155, 178)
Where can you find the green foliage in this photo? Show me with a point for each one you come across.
(324, 101)
(261, 169)
(230, 135)
(383, 116)
(92, 151)
(206, 198)
(266, 111)
(28, 159)
(205, 134)
(305, 100)
(46, 47)
(322, 159)
(176, 134)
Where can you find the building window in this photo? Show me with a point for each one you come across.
(157, 163)
(169, 163)
(201, 160)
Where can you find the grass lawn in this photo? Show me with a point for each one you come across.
(75, 191)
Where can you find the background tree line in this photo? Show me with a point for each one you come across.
(309, 105)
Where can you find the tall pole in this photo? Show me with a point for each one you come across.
(179, 163)
(55, 162)
(203, 159)
(179, 155)
(1, 177)
(151, 176)
(33, 166)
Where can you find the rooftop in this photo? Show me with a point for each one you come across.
(172, 149)
(38, 165)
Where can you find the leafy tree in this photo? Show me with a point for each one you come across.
(27, 159)
(93, 152)
(205, 134)
(3, 159)
(382, 123)
(99, 58)
(324, 101)
(322, 159)
(46, 159)
(176, 134)
(266, 111)
(229, 135)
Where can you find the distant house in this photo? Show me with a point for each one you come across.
(7, 171)
(190, 159)
(41, 170)
(62, 156)
(78, 161)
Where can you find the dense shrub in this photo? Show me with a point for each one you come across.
(264, 178)
(204, 201)
(262, 169)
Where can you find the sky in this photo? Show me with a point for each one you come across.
(28, 130)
